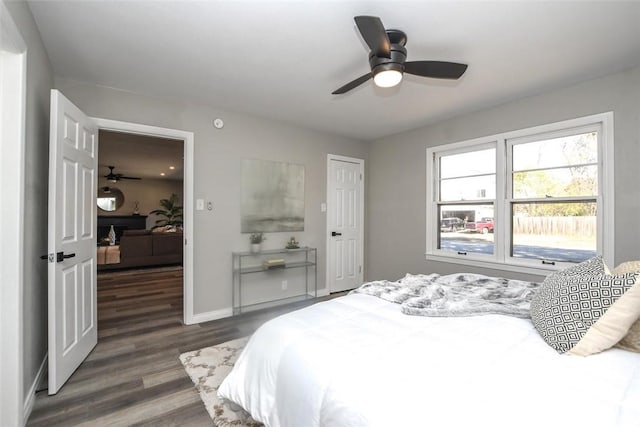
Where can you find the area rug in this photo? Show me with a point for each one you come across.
(207, 368)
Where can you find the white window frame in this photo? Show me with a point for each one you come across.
(501, 258)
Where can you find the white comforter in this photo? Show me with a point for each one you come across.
(357, 361)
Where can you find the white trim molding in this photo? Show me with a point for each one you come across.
(501, 259)
(31, 394)
(188, 200)
(208, 316)
(322, 292)
(608, 218)
(13, 81)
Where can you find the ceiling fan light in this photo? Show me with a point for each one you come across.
(387, 78)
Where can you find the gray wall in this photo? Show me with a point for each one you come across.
(147, 192)
(218, 155)
(396, 219)
(39, 84)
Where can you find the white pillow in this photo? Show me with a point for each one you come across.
(631, 341)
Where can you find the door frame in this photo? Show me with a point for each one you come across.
(12, 160)
(187, 202)
(359, 162)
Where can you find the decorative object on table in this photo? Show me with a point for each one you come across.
(293, 244)
(136, 207)
(172, 213)
(112, 236)
(270, 264)
(256, 242)
(272, 196)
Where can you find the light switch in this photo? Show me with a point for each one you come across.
(323, 207)
(200, 204)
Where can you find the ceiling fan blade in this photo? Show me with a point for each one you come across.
(435, 69)
(374, 35)
(129, 177)
(352, 84)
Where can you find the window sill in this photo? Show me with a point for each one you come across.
(517, 268)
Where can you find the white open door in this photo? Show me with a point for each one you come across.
(345, 216)
(73, 150)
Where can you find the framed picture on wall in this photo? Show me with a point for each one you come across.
(272, 196)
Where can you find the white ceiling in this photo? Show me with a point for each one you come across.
(281, 60)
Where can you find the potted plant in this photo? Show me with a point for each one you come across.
(172, 213)
(256, 242)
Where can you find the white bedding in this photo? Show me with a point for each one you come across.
(357, 361)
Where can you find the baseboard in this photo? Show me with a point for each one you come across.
(211, 315)
(323, 292)
(31, 395)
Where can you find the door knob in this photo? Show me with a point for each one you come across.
(60, 256)
(335, 233)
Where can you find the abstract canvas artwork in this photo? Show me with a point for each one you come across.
(272, 196)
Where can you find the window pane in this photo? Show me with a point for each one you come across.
(462, 228)
(554, 231)
(565, 151)
(474, 188)
(563, 182)
(466, 164)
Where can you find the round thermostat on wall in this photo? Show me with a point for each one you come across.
(218, 123)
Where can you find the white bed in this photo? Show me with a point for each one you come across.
(357, 361)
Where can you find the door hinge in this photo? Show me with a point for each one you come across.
(360, 177)
(360, 269)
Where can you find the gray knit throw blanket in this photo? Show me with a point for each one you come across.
(455, 295)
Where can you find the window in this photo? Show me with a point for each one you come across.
(466, 192)
(529, 200)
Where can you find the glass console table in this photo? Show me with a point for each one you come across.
(272, 267)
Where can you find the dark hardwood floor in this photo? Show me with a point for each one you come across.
(134, 376)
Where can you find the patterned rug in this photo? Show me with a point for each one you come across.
(207, 368)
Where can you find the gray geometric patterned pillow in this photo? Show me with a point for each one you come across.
(592, 267)
(569, 301)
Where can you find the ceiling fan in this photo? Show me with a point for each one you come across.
(387, 58)
(115, 177)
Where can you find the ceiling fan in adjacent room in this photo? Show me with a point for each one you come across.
(387, 58)
(115, 177)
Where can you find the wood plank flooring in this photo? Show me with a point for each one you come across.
(134, 376)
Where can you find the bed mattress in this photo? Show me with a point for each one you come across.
(357, 361)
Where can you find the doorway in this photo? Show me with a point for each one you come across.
(140, 226)
(187, 138)
(345, 222)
